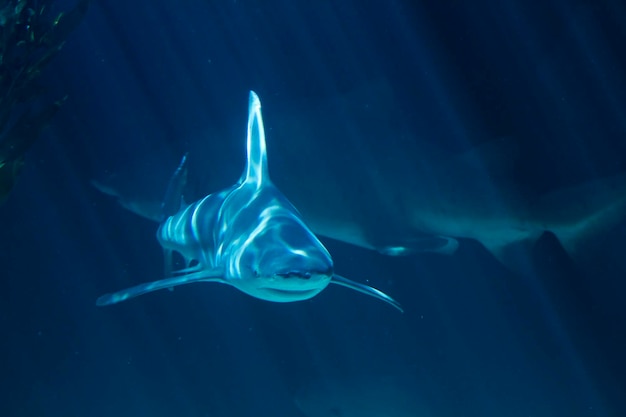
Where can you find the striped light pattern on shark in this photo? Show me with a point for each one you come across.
(248, 236)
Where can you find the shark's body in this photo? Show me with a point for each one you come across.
(247, 235)
(375, 186)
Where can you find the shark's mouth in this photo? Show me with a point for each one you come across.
(294, 274)
(305, 274)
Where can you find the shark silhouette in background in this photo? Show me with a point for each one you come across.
(248, 236)
(375, 186)
(400, 196)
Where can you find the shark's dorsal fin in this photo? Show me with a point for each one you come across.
(256, 163)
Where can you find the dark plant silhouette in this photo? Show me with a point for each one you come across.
(30, 36)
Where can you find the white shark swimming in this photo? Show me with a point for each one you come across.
(248, 236)
(377, 187)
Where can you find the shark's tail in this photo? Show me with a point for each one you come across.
(152, 208)
(148, 209)
(579, 215)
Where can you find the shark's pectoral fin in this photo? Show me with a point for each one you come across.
(214, 275)
(431, 244)
(365, 289)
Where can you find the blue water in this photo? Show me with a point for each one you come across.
(149, 80)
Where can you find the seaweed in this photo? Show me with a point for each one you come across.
(30, 36)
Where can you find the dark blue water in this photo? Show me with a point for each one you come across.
(148, 80)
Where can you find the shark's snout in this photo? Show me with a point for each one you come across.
(291, 275)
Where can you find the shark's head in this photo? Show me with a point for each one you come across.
(280, 259)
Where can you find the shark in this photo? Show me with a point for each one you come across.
(377, 186)
(248, 236)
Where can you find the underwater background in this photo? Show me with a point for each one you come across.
(147, 81)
